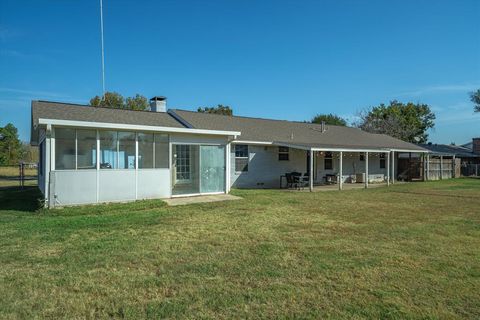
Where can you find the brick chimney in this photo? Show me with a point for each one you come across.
(476, 145)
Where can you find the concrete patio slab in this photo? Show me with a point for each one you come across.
(200, 199)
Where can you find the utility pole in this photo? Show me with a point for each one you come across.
(103, 57)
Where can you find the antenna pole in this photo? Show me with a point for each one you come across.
(103, 57)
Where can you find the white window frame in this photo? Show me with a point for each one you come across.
(247, 157)
(283, 153)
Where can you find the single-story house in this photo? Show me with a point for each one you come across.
(92, 155)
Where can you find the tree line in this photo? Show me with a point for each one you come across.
(12, 150)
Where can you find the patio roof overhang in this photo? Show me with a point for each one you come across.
(316, 147)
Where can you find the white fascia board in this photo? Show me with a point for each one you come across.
(351, 150)
(264, 143)
(332, 149)
(134, 127)
(412, 151)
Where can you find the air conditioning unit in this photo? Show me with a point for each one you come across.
(360, 177)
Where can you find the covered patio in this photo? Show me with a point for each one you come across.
(331, 168)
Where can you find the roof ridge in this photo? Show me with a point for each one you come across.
(257, 118)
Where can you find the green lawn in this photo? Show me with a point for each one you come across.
(408, 251)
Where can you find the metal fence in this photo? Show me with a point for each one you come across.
(470, 170)
(21, 175)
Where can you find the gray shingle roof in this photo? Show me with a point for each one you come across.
(65, 111)
(445, 149)
(252, 129)
(294, 133)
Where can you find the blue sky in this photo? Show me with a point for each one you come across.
(274, 59)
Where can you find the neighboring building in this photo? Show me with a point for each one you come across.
(91, 155)
(465, 154)
(466, 157)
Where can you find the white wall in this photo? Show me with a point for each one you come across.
(264, 168)
(153, 183)
(70, 187)
(73, 187)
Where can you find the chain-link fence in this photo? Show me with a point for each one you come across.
(21, 175)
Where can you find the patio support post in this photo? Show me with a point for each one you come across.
(453, 166)
(340, 173)
(310, 178)
(441, 167)
(388, 169)
(393, 167)
(366, 169)
(428, 167)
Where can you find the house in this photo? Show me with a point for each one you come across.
(92, 155)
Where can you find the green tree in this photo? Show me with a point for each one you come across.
(10, 145)
(475, 98)
(220, 109)
(109, 100)
(408, 122)
(136, 103)
(116, 101)
(331, 119)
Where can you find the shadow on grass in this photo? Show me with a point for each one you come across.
(18, 199)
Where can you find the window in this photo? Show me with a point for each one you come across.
(64, 149)
(382, 160)
(108, 150)
(183, 163)
(241, 158)
(86, 149)
(328, 164)
(126, 150)
(283, 153)
(362, 157)
(161, 150)
(145, 150)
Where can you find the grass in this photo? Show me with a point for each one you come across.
(409, 251)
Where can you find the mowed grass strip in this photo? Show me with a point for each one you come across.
(408, 251)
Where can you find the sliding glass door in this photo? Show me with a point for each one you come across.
(198, 169)
(212, 169)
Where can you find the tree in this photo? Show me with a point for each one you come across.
(331, 119)
(138, 102)
(116, 101)
(10, 145)
(28, 153)
(220, 109)
(475, 98)
(109, 100)
(408, 122)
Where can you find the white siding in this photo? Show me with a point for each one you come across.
(153, 183)
(73, 187)
(264, 168)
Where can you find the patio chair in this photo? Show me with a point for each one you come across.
(301, 181)
(291, 181)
